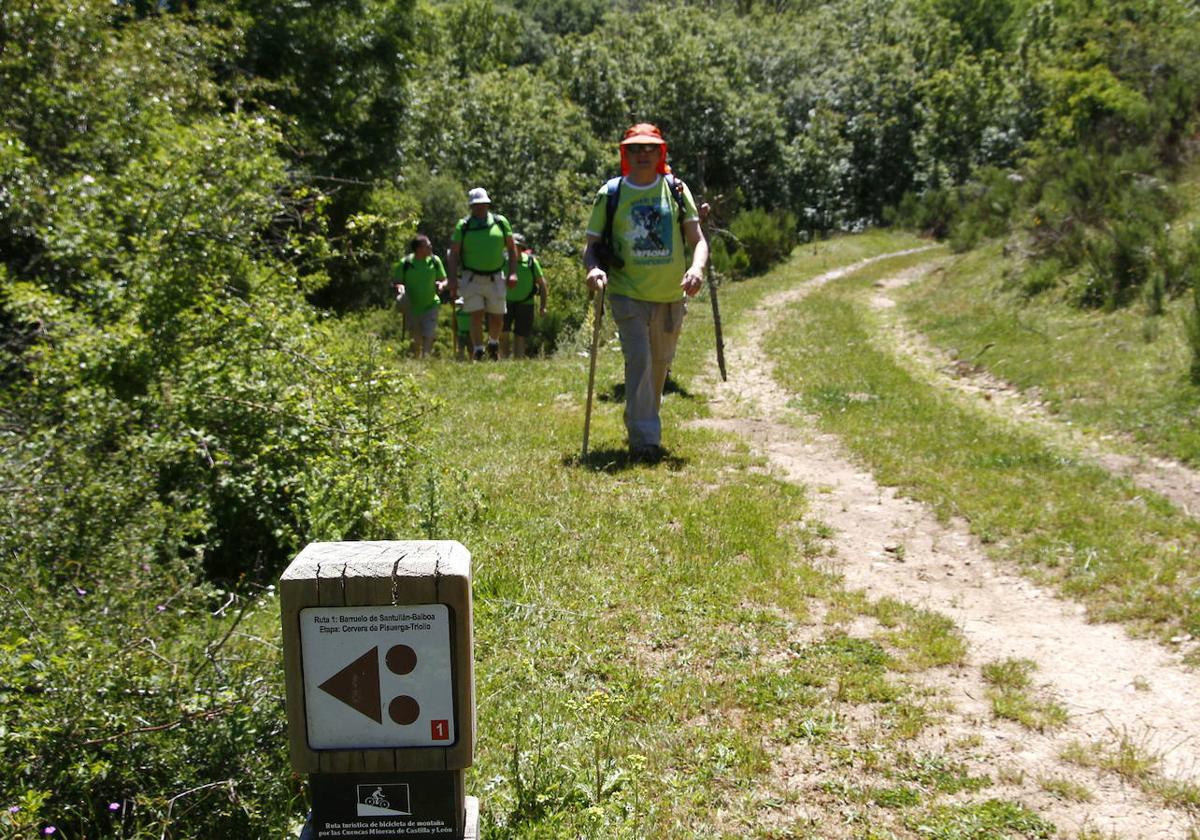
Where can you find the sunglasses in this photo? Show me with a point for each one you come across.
(643, 148)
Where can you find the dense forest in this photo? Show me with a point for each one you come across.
(195, 195)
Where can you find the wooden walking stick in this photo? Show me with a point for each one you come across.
(597, 316)
(712, 293)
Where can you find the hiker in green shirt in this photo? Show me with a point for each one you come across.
(462, 326)
(418, 279)
(479, 246)
(518, 319)
(644, 220)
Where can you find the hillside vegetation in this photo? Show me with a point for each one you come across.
(200, 205)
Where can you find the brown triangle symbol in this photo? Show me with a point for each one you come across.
(357, 685)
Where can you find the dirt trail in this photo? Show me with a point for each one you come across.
(1168, 478)
(1116, 689)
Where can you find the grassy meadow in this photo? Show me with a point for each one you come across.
(657, 646)
(661, 650)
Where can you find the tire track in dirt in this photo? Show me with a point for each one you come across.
(1116, 689)
(1168, 478)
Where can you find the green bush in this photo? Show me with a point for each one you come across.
(1183, 264)
(933, 212)
(175, 421)
(733, 264)
(766, 237)
(1107, 215)
(567, 302)
(1192, 325)
(186, 735)
(1041, 276)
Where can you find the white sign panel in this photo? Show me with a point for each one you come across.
(377, 677)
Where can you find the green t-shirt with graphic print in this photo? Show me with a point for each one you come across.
(646, 236)
(483, 242)
(420, 281)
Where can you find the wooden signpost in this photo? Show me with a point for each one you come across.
(377, 650)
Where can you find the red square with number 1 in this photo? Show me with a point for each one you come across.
(439, 730)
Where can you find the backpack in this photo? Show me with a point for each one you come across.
(613, 198)
(467, 227)
(488, 224)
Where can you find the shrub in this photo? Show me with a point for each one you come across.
(567, 302)
(766, 237)
(1041, 276)
(932, 212)
(733, 265)
(1192, 327)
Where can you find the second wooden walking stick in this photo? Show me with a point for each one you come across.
(712, 292)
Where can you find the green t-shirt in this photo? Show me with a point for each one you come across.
(420, 281)
(646, 236)
(483, 242)
(462, 320)
(528, 268)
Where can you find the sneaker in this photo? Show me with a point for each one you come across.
(494, 351)
(478, 355)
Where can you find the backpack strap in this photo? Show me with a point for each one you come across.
(676, 187)
(612, 199)
(488, 223)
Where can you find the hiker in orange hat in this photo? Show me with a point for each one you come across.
(641, 225)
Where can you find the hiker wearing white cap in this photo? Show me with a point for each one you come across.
(478, 247)
(640, 226)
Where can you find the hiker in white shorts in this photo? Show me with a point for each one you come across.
(478, 248)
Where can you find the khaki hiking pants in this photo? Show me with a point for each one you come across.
(649, 333)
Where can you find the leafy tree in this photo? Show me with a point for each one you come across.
(564, 17)
(337, 69)
(983, 24)
(536, 160)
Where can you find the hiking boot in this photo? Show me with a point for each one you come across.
(478, 354)
(494, 351)
(649, 454)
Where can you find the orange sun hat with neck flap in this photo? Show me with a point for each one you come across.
(639, 134)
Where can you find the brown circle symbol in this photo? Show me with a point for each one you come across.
(404, 710)
(401, 659)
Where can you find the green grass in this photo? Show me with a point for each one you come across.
(1129, 555)
(1067, 789)
(1010, 691)
(650, 639)
(1128, 756)
(990, 820)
